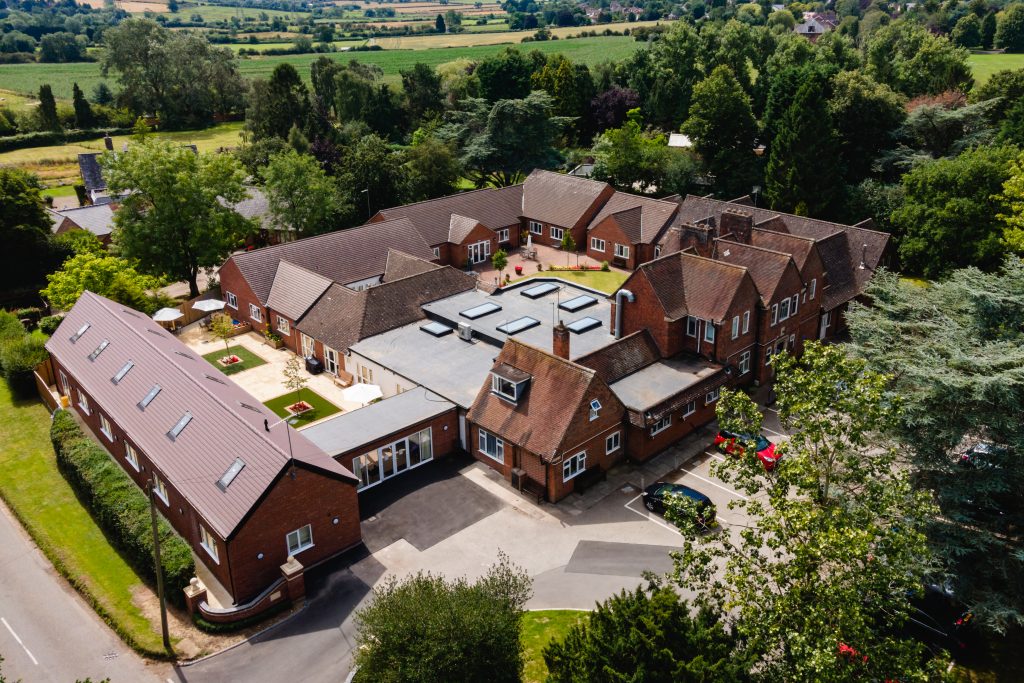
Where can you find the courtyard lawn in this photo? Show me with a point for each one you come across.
(321, 406)
(47, 507)
(595, 279)
(539, 628)
(249, 359)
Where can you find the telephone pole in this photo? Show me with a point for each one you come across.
(159, 568)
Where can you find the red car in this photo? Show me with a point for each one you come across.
(726, 442)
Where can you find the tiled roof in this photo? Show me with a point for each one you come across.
(459, 228)
(97, 218)
(559, 199)
(343, 316)
(765, 266)
(641, 218)
(495, 208)
(797, 247)
(401, 265)
(295, 289)
(541, 418)
(343, 256)
(92, 174)
(256, 207)
(227, 423)
(622, 357)
(687, 284)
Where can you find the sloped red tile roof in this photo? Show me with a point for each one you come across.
(642, 219)
(559, 199)
(295, 289)
(623, 356)
(797, 247)
(687, 284)
(401, 265)
(494, 207)
(767, 267)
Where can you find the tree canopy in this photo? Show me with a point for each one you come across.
(104, 274)
(302, 197)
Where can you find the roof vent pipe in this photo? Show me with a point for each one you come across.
(622, 294)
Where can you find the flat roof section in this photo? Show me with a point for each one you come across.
(348, 431)
(660, 381)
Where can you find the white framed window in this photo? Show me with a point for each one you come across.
(691, 326)
(709, 332)
(595, 409)
(299, 540)
(503, 235)
(735, 326)
(795, 305)
(783, 310)
(131, 456)
(536, 228)
(365, 374)
(160, 489)
(105, 427)
(746, 321)
(283, 326)
(491, 446)
(437, 252)
(597, 244)
(83, 402)
(64, 384)
(711, 396)
(255, 313)
(504, 387)
(689, 409)
(661, 425)
(775, 314)
(557, 233)
(814, 288)
(331, 360)
(612, 442)
(231, 300)
(209, 543)
(744, 363)
(657, 252)
(622, 251)
(573, 466)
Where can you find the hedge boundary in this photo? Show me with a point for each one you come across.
(41, 138)
(119, 507)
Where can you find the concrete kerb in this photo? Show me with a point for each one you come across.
(190, 662)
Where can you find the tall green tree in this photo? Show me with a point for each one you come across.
(1010, 28)
(572, 89)
(375, 176)
(1007, 85)
(955, 352)
(172, 220)
(804, 165)
(302, 197)
(910, 60)
(664, 75)
(29, 250)
(433, 169)
(629, 157)
(723, 130)
(967, 32)
(422, 89)
(83, 110)
(838, 546)
(48, 109)
(867, 115)
(1013, 196)
(104, 274)
(277, 104)
(505, 75)
(988, 30)
(949, 219)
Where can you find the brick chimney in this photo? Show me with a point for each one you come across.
(560, 343)
(108, 142)
(697, 239)
(737, 224)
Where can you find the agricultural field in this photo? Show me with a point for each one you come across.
(429, 41)
(984, 66)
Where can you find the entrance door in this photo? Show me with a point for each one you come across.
(307, 346)
(394, 458)
(479, 251)
(826, 318)
(331, 360)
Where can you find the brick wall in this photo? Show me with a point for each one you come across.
(641, 446)
(596, 457)
(231, 280)
(610, 231)
(444, 438)
(460, 252)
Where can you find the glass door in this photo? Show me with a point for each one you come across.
(307, 346)
(331, 360)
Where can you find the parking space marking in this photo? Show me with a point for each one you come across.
(717, 486)
(646, 515)
(29, 653)
(772, 431)
(714, 455)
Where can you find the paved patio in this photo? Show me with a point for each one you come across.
(545, 257)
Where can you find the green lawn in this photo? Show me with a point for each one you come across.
(595, 279)
(34, 489)
(984, 66)
(249, 359)
(539, 628)
(321, 406)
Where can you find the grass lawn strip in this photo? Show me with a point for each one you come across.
(48, 509)
(321, 406)
(539, 628)
(249, 359)
(595, 279)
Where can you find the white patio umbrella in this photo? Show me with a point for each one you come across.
(166, 315)
(529, 241)
(362, 393)
(209, 305)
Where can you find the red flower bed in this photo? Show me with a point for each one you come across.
(299, 408)
(229, 360)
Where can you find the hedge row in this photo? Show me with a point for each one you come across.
(51, 137)
(120, 507)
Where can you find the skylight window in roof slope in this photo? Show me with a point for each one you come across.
(229, 476)
(480, 311)
(178, 428)
(148, 398)
(99, 349)
(78, 335)
(122, 372)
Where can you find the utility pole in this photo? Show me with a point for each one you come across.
(159, 568)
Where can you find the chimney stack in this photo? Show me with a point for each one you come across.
(738, 224)
(560, 346)
(108, 142)
(698, 238)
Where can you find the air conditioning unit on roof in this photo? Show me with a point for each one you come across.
(465, 332)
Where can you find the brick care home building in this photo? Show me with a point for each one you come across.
(241, 487)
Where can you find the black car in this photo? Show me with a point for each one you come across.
(656, 495)
(939, 621)
(983, 455)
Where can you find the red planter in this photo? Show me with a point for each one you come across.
(519, 270)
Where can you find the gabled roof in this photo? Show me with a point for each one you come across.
(641, 218)
(343, 256)
(256, 206)
(765, 266)
(295, 289)
(623, 356)
(227, 423)
(96, 218)
(541, 418)
(92, 174)
(401, 265)
(797, 247)
(342, 316)
(559, 199)
(687, 284)
(494, 207)
(459, 228)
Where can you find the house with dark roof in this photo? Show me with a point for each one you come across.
(554, 203)
(95, 218)
(626, 230)
(245, 490)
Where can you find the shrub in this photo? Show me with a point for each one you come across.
(119, 507)
(48, 324)
(31, 313)
(604, 268)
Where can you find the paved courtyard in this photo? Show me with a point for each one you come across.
(544, 258)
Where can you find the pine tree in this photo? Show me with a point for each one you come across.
(439, 24)
(47, 109)
(988, 30)
(804, 168)
(83, 111)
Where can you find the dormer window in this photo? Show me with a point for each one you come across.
(595, 409)
(504, 388)
(508, 382)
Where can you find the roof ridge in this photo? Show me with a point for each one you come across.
(447, 196)
(293, 264)
(336, 234)
(783, 234)
(755, 247)
(582, 369)
(706, 258)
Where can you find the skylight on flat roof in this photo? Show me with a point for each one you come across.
(180, 426)
(583, 324)
(480, 311)
(436, 329)
(148, 398)
(538, 291)
(518, 325)
(577, 303)
(78, 335)
(122, 372)
(225, 481)
(99, 349)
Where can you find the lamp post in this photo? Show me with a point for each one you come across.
(150, 488)
(367, 193)
(754, 191)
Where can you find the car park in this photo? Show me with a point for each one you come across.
(657, 495)
(731, 443)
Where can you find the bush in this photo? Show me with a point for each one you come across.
(31, 313)
(119, 507)
(48, 325)
(604, 268)
(49, 137)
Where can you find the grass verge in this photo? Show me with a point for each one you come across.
(249, 359)
(595, 279)
(321, 406)
(539, 628)
(50, 512)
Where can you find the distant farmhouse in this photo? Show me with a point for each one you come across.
(816, 24)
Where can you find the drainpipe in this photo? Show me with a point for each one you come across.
(619, 296)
